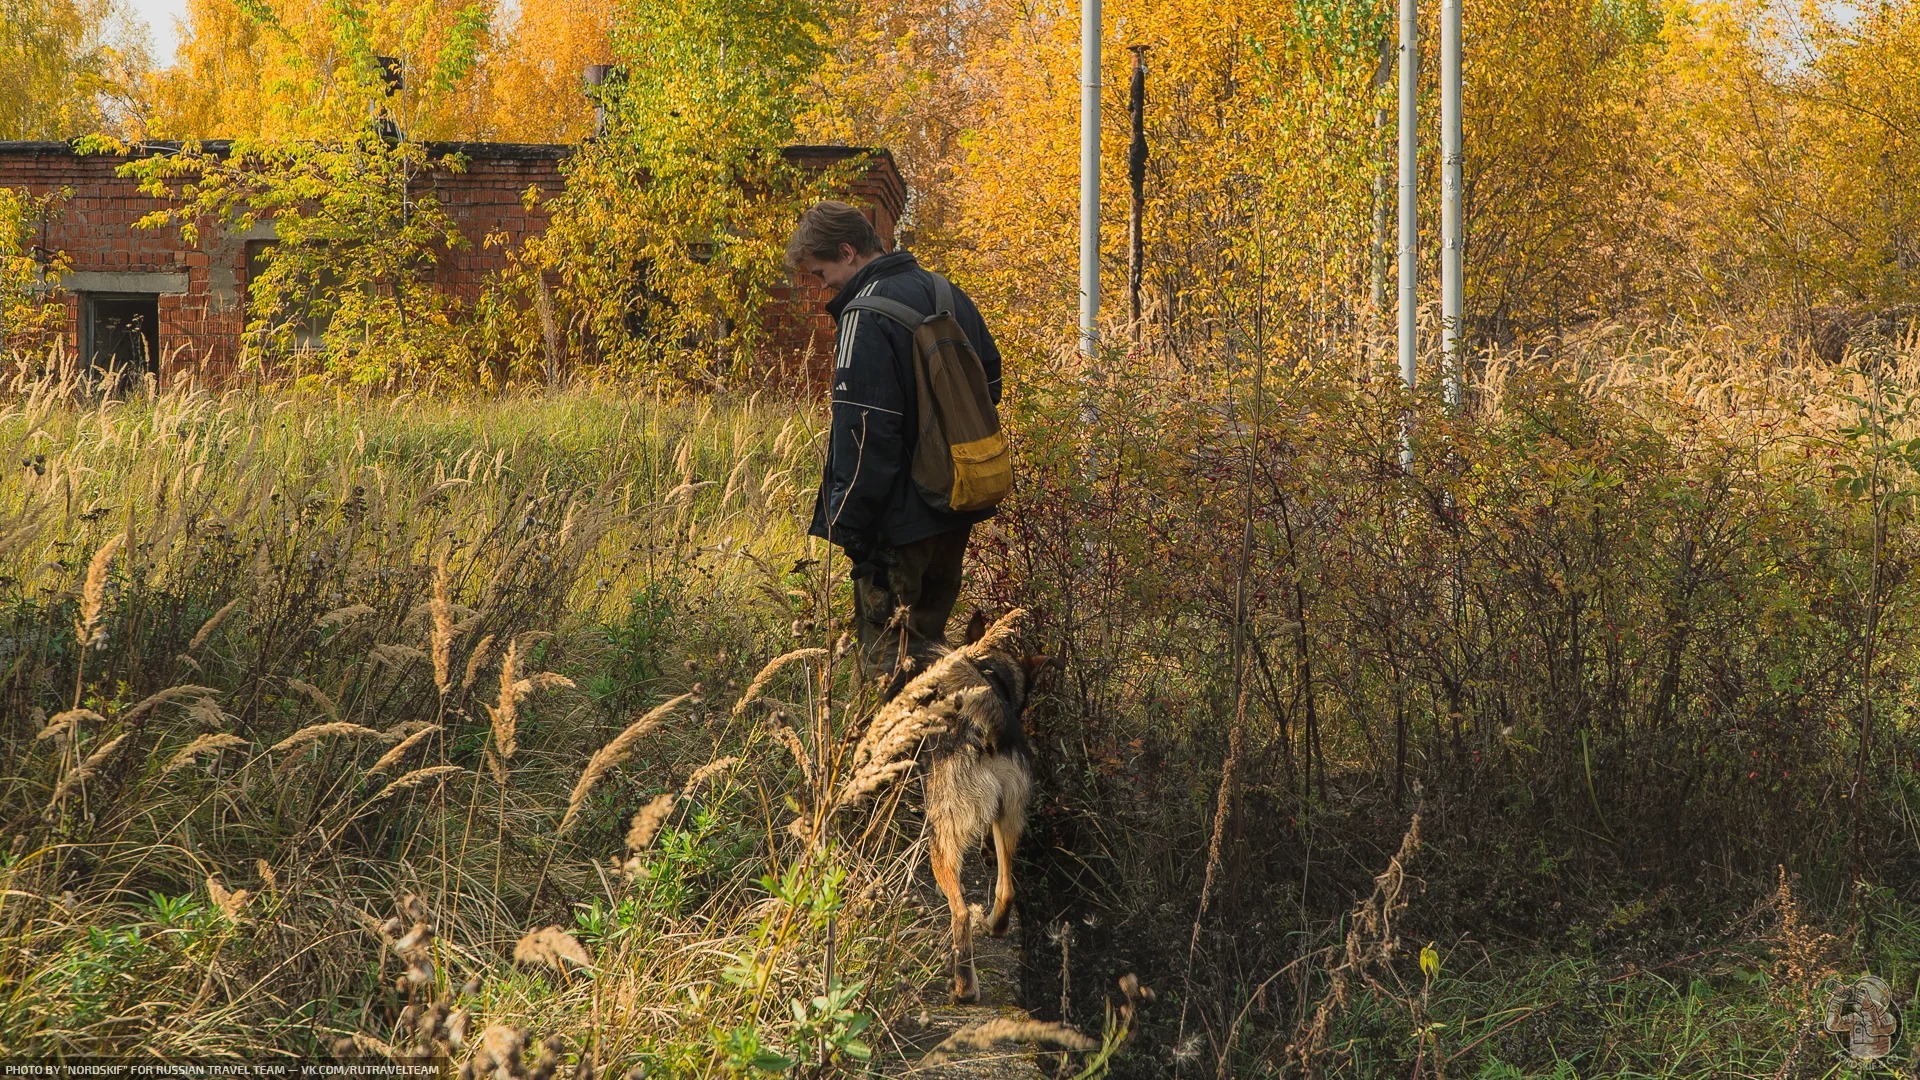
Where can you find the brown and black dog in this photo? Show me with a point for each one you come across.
(979, 766)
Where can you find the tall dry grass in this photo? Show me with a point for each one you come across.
(247, 717)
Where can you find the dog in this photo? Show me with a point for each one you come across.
(978, 764)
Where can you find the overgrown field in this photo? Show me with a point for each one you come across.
(1608, 699)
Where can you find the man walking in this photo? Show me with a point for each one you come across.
(906, 554)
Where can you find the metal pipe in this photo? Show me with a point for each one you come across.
(1451, 281)
(1409, 241)
(1089, 175)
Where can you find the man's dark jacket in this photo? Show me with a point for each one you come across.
(868, 501)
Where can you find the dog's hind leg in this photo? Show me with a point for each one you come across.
(946, 871)
(1006, 835)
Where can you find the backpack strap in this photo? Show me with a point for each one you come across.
(892, 309)
(901, 313)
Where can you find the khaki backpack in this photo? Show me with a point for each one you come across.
(962, 461)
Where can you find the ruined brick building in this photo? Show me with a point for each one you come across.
(143, 298)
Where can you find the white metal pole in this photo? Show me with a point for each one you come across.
(1409, 243)
(1089, 174)
(1451, 281)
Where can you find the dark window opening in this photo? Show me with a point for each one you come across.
(307, 315)
(121, 332)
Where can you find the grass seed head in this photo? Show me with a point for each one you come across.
(442, 629)
(342, 616)
(646, 824)
(506, 710)
(186, 754)
(207, 628)
(87, 769)
(392, 757)
(66, 724)
(313, 732)
(767, 673)
(171, 693)
(419, 778)
(318, 695)
(705, 773)
(497, 1057)
(992, 1034)
(552, 947)
(232, 903)
(397, 657)
(614, 752)
(93, 593)
(475, 661)
(414, 938)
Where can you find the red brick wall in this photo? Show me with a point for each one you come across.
(94, 230)
(200, 326)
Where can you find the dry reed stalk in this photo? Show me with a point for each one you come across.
(206, 712)
(992, 1034)
(342, 616)
(733, 481)
(646, 823)
(497, 1055)
(199, 746)
(442, 488)
(318, 695)
(475, 659)
(506, 714)
(767, 673)
(552, 947)
(442, 629)
(86, 769)
(1222, 804)
(1370, 941)
(614, 753)
(790, 739)
(890, 755)
(93, 593)
(207, 628)
(869, 779)
(685, 490)
(418, 777)
(362, 1042)
(171, 693)
(926, 687)
(541, 680)
(230, 903)
(68, 723)
(405, 728)
(320, 731)
(395, 656)
(704, 773)
(392, 757)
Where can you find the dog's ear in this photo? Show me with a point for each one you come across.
(976, 626)
(1035, 665)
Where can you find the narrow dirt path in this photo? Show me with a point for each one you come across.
(996, 962)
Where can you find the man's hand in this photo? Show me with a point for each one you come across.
(866, 564)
